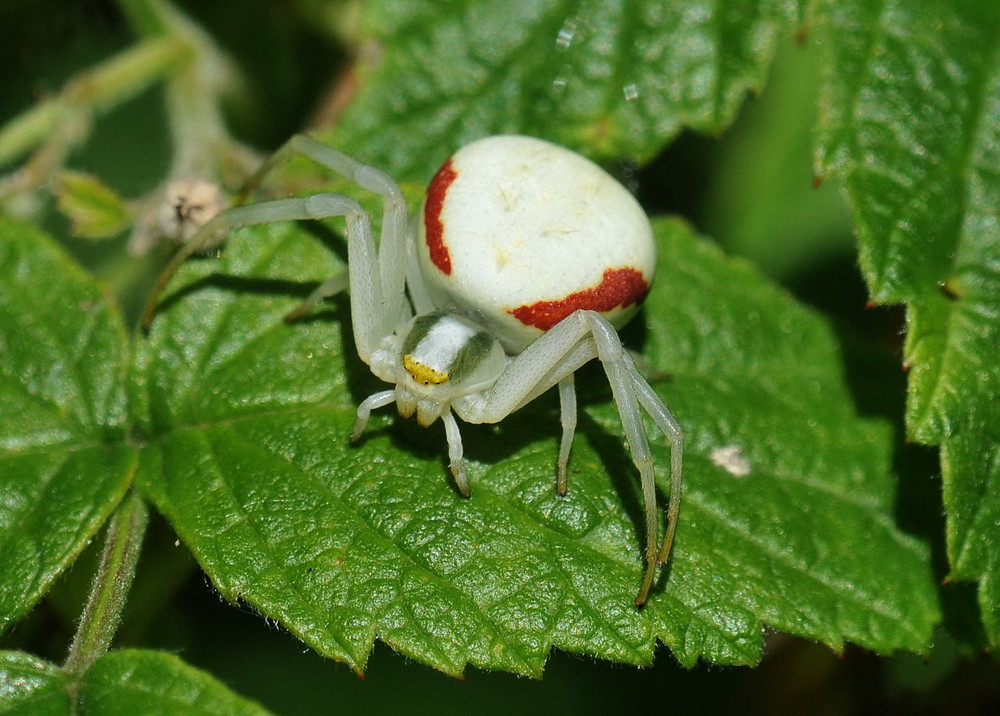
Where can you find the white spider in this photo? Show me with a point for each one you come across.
(527, 258)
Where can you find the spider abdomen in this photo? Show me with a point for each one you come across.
(517, 233)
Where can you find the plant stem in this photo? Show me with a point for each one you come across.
(103, 611)
(203, 147)
(107, 85)
(146, 17)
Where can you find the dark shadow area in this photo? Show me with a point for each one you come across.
(238, 285)
(286, 60)
(263, 285)
(675, 182)
(871, 342)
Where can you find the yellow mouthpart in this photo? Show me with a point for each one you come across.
(423, 373)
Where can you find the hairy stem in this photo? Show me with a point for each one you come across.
(103, 611)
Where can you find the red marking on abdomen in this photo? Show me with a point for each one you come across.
(618, 287)
(433, 228)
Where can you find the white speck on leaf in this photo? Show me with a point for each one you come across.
(731, 459)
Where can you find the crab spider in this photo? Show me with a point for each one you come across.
(526, 259)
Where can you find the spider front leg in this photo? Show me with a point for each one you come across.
(552, 359)
(320, 206)
(390, 264)
(376, 275)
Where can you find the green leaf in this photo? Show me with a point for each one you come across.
(135, 681)
(809, 530)
(247, 421)
(95, 210)
(63, 362)
(971, 462)
(912, 120)
(618, 78)
(29, 685)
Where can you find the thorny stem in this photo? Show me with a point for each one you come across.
(103, 610)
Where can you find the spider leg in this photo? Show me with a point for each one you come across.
(377, 400)
(455, 459)
(392, 249)
(416, 287)
(567, 419)
(376, 274)
(330, 287)
(549, 361)
(672, 429)
(319, 206)
(631, 390)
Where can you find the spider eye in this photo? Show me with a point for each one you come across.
(423, 373)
